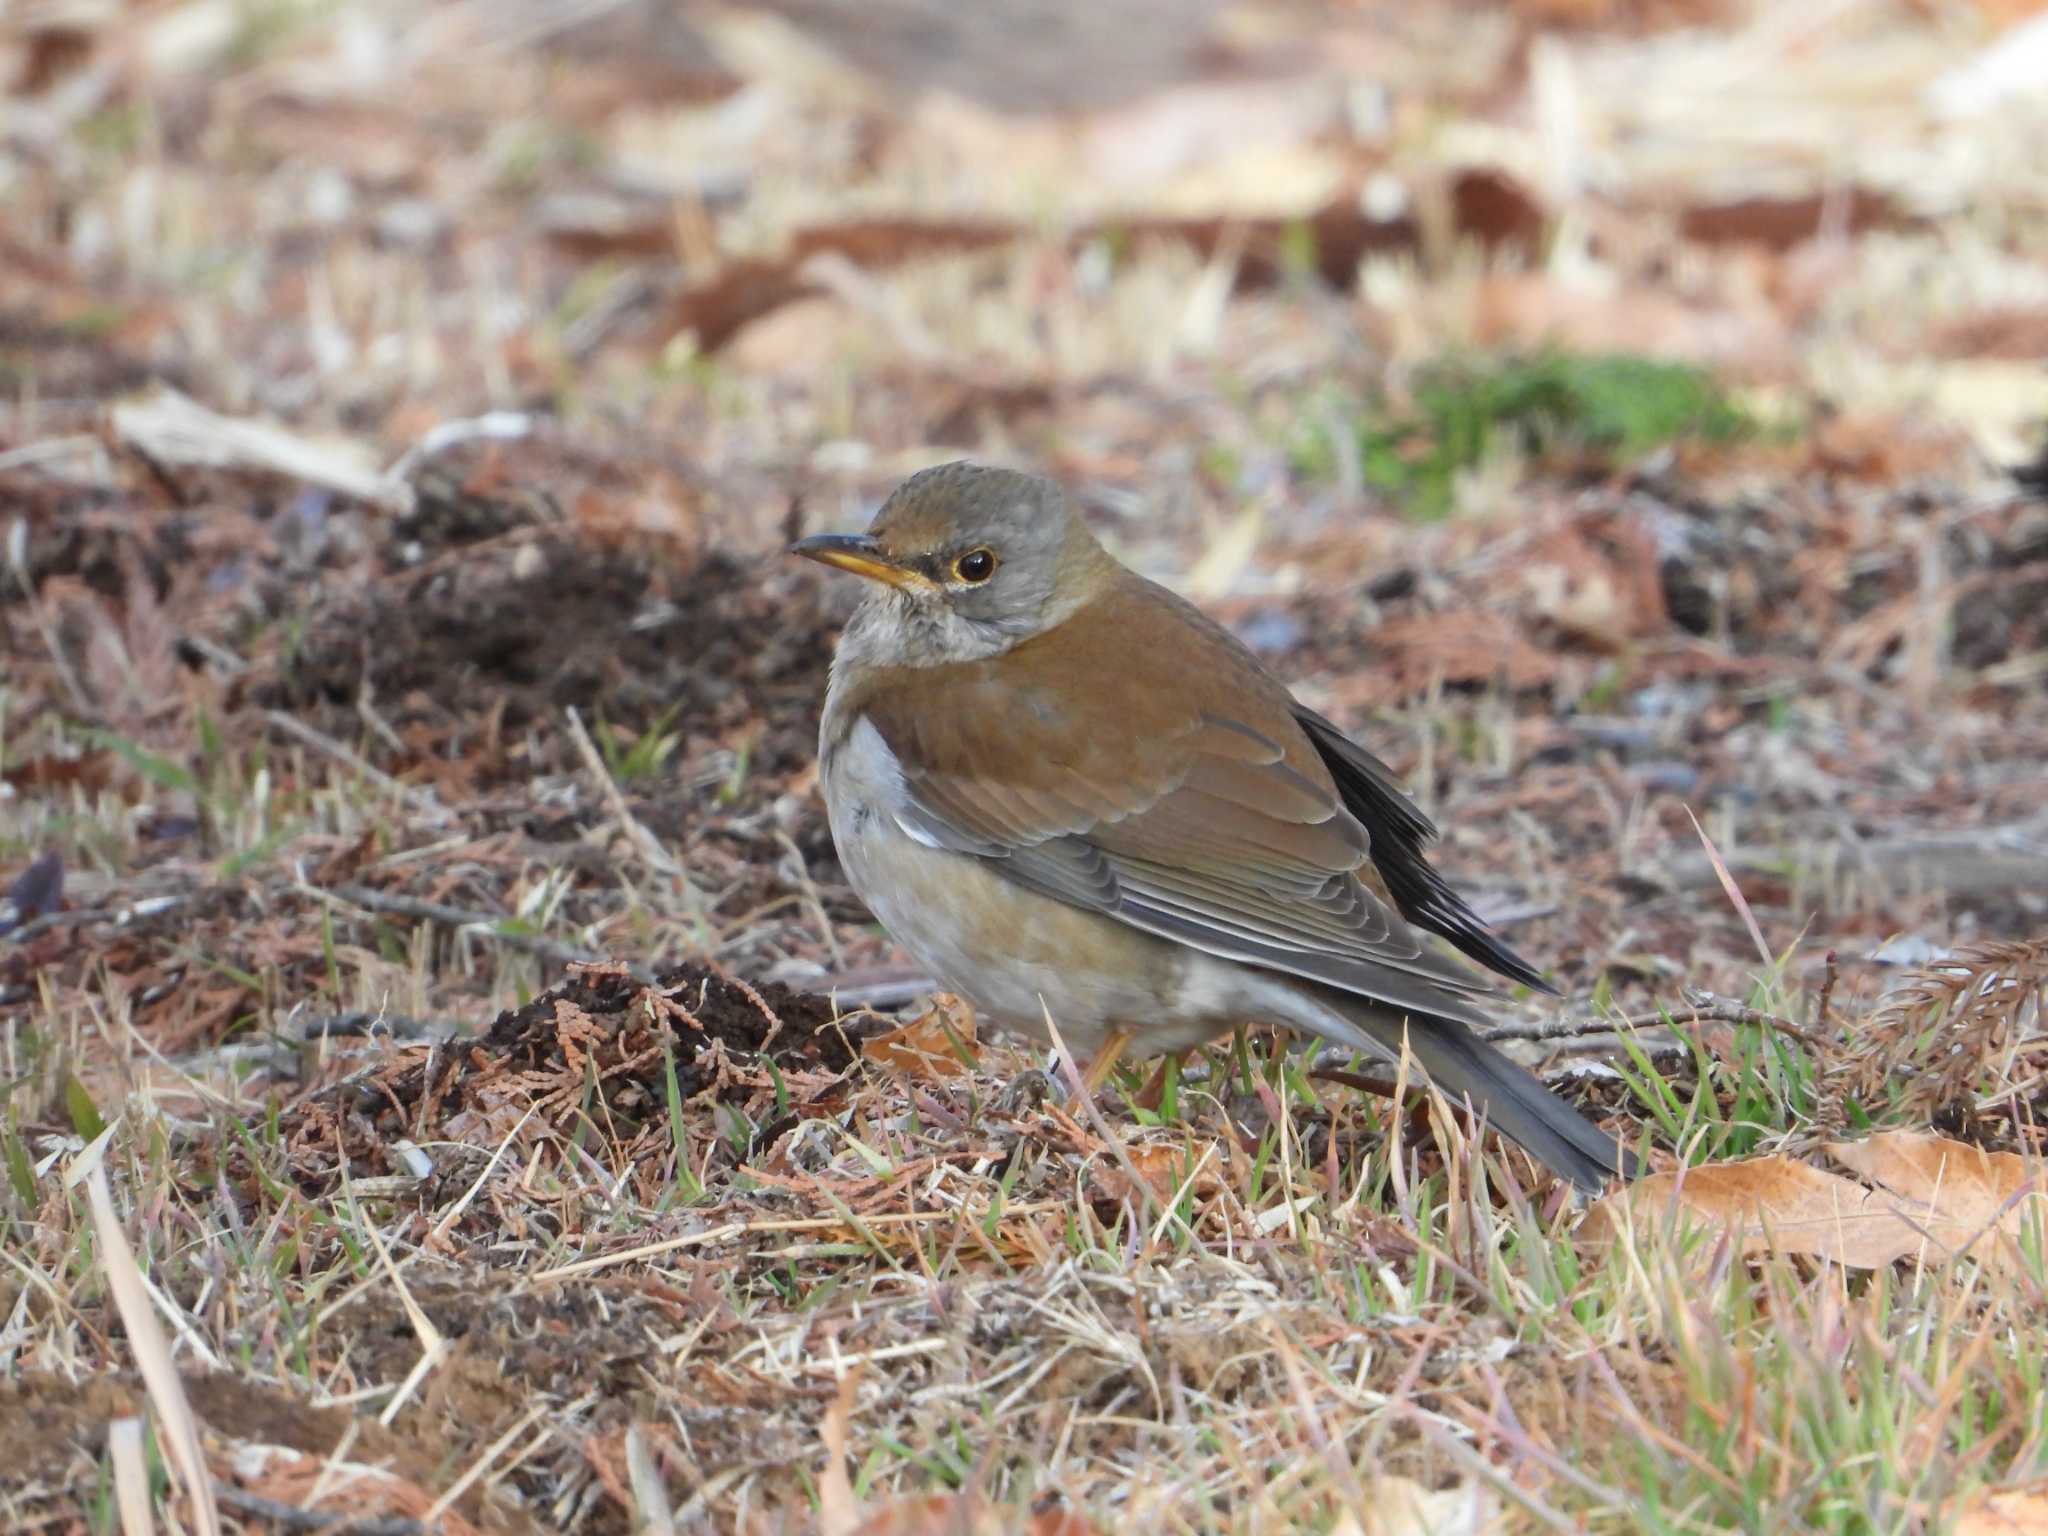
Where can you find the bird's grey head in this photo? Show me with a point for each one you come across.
(967, 562)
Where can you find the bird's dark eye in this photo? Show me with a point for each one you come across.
(977, 565)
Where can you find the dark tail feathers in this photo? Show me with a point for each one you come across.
(1515, 1103)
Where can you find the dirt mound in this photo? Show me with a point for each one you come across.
(574, 626)
(601, 1049)
(795, 1029)
(507, 633)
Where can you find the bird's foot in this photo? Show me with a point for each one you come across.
(1031, 1088)
(1053, 1083)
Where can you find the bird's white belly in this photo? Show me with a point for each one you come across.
(1014, 954)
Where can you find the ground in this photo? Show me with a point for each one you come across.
(422, 952)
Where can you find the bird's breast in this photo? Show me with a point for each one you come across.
(1009, 951)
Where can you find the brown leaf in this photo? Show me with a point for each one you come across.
(2005, 1512)
(1887, 446)
(1060, 1522)
(1400, 1506)
(1738, 335)
(938, 1514)
(1414, 652)
(1969, 1193)
(838, 1512)
(1477, 205)
(1622, 15)
(344, 864)
(1782, 222)
(1937, 1198)
(746, 290)
(1776, 1204)
(926, 1047)
(796, 336)
(2011, 331)
(967, 1514)
(92, 771)
(1167, 1166)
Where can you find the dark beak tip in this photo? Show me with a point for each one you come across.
(823, 546)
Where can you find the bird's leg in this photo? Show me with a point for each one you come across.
(1105, 1059)
(1153, 1094)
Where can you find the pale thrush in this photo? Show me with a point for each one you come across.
(1065, 791)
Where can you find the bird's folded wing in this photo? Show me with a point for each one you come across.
(1195, 828)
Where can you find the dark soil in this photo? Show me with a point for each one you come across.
(599, 1047)
(796, 1029)
(492, 610)
(517, 589)
(555, 624)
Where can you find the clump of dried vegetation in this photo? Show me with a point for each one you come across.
(444, 1084)
(1958, 1042)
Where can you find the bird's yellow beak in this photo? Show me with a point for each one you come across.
(858, 553)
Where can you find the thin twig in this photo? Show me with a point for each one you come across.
(364, 1021)
(78, 917)
(464, 917)
(873, 986)
(1706, 1007)
(1566, 1028)
(1825, 1012)
(327, 1522)
(1699, 1008)
(429, 808)
(644, 841)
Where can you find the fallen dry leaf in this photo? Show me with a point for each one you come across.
(917, 1517)
(931, 1045)
(1779, 1205)
(1968, 1192)
(1783, 222)
(838, 1511)
(1741, 335)
(1418, 651)
(1937, 1198)
(2005, 1512)
(964, 1514)
(1170, 1166)
(1475, 205)
(1399, 1506)
(177, 1429)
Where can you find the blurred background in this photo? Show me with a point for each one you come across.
(1181, 239)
